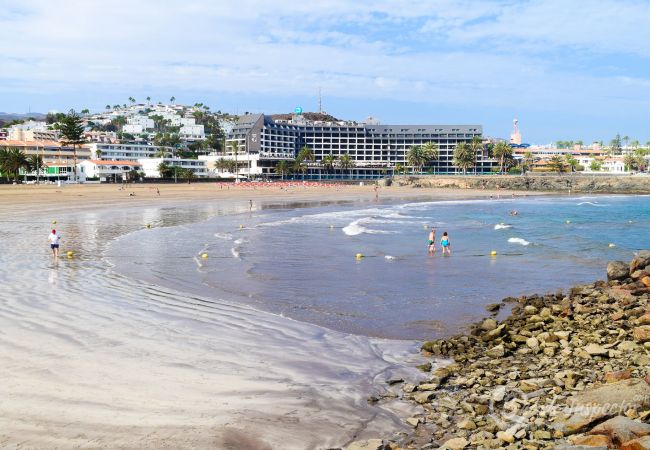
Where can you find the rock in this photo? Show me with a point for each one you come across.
(621, 429)
(393, 381)
(627, 394)
(408, 388)
(499, 394)
(493, 307)
(496, 352)
(595, 350)
(422, 397)
(532, 343)
(637, 444)
(494, 334)
(640, 261)
(642, 333)
(488, 325)
(455, 444)
(542, 435)
(467, 425)
(617, 270)
(506, 437)
(612, 377)
(594, 441)
(530, 310)
(646, 281)
(413, 421)
(426, 367)
(428, 386)
(370, 444)
(627, 346)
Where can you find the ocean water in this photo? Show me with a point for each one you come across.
(299, 262)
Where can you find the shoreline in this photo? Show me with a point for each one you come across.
(79, 199)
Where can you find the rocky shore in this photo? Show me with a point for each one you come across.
(576, 183)
(569, 370)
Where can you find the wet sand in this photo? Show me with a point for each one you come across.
(94, 359)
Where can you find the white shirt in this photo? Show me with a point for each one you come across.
(53, 238)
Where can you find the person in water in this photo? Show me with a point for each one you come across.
(54, 239)
(445, 244)
(432, 240)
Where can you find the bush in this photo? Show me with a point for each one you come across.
(514, 171)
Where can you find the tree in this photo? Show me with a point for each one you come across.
(416, 157)
(35, 164)
(595, 165)
(187, 174)
(528, 161)
(464, 157)
(133, 175)
(132, 100)
(346, 163)
(149, 100)
(72, 133)
(634, 144)
(305, 154)
(85, 111)
(282, 168)
(328, 163)
(164, 170)
(172, 100)
(556, 164)
(641, 163)
(503, 152)
(431, 151)
(571, 162)
(630, 162)
(108, 107)
(615, 145)
(626, 139)
(12, 159)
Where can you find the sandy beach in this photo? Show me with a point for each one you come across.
(93, 359)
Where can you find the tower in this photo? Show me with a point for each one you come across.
(515, 137)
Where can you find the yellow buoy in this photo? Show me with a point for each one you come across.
(148, 225)
(70, 253)
(425, 225)
(204, 255)
(493, 253)
(359, 255)
(241, 226)
(612, 245)
(54, 222)
(568, 221)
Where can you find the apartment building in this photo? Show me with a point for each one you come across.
(127, 152)
(375, 149)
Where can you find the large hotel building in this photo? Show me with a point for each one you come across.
(375, 150)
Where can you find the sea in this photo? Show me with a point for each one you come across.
(301, 261)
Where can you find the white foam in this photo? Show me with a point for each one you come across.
(224, 236)
(501, 226)
(516, 240)
(234, 252)
(389, 257)
(590, 204)
(355, 228)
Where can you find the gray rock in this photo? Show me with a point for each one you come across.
(496, 352)
(640, 261)
(488, 324)
(617, 270)
(621, 429)
(423, 396)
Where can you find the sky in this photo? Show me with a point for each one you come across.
(567, 69)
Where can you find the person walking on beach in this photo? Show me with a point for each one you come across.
(54, 239)
(445, 244)
(432, 241)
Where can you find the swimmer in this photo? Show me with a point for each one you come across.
(432, 241)
(513, 212)
(445, 244)
(54, 239)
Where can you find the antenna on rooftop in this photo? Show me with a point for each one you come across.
(320, 101)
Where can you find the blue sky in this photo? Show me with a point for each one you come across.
(571, 69)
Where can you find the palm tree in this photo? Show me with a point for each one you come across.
(503, 152)
(12, 159)
(630, 162)
(132, 100)
(187, 174)
(595, 165)
(72, 133)
(35, 164)
(164, 170)
(431, 151)
(328, 163)
(85, 111)
(634, 144)
(346, 162)
(464, 156)
(626, 139)
(528, 161)
(108, 107)
(556, 164)
(282, 168)
(235, 149)
(641, 163)
(172, 100)
(304, 154)
(571, 161)
(149, 100)
(416, 157)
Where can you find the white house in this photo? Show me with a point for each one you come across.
(106, 170)
(614, 164)
(128, 152)
(150, 166)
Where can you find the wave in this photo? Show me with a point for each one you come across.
(591, 204)
(390, 257)
(501, 226)
(518, 241)
(355, 228)
(234, 252)
(225, 236)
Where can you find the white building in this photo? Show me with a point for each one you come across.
(129, 152)
(106, 170)
(150, 166)
(32, 131)
(248, 165)
(138, 125)
(614, 165)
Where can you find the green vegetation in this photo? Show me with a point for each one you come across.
(12, 160)
(557, 164)
(72, 133)
(503, 152)
(464, 156)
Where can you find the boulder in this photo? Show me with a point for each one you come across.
(612, 377)
(488, 324)
(455, 444)
(370, 444)
(646, 281)
(594, 441)
(617, 270)
(621, 429)
(595, 350)
(640, 261)
(423, 397)
(637, 444)
(496, 352)
(642, 333)
(494, 334)
(506, 437)
(532, 343)
(644, 319)
(413, 421)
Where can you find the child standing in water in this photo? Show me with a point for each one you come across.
(445, 244)
(432, 240)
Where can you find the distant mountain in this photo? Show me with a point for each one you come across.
(8, 117)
